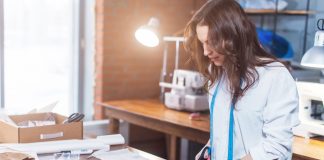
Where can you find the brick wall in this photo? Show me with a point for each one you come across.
(124, 68)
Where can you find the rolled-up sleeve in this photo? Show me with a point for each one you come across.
(279, 117)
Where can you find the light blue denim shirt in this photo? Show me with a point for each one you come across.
(263, 117)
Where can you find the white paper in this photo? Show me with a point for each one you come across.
(57, 146)
(67, 145)
(122, 154)
(112, 139)
(47, 108)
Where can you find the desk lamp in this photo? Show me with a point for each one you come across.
(148, 36)
(314, 57)
(186, 87)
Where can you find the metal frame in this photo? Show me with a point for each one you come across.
(83, 59)
(167, 40)
(86, 39)
(306, 28)
(275, 20)
(1, 55)
(77, 75)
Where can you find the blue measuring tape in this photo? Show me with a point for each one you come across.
(230, 130)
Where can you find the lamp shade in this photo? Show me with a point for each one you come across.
(147, 34)
(314, 57)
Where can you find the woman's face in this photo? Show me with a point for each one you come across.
(216, 58)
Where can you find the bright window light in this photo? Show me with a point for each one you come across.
(38, 51)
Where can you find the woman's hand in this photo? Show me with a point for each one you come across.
(205, 154)
(199, 155)
(247, 157)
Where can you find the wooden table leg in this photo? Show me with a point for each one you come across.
(113, 126)
(173, 147)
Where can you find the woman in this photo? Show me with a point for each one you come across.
(253, 98)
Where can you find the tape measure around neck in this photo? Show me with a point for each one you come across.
(230, 130)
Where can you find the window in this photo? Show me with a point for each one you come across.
(39, 55)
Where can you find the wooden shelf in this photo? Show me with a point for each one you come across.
(283, 12)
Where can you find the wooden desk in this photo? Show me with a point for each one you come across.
(308, 148)
(154, 115)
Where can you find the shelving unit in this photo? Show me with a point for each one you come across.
(284, 12)
(275, 13)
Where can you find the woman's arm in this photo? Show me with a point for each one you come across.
(280, 115)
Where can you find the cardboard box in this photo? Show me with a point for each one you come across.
(14, 134)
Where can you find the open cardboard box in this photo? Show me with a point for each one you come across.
(14, 134)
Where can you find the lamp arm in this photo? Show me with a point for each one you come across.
(177, 55)
(164, 70)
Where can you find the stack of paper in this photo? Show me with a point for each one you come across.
(102, 142)
(122, 154)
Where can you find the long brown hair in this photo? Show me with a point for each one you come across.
(231, 33)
